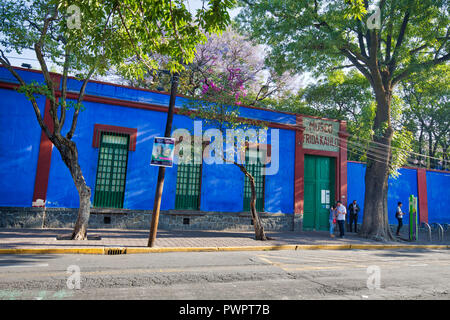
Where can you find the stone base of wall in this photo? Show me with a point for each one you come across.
(19, 217)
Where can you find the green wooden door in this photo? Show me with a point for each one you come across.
(318, 191)
(111, 171)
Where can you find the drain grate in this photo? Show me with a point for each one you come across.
(115, 251)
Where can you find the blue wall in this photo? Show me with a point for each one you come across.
(19, 148)
(355, 185)
(438, 196)
(399, 189)
(141, 177)
(130, 94)
(27, 76)
(222, 185)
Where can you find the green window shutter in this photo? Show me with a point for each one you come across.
(187, 195)
(255, 168)
(111, 170)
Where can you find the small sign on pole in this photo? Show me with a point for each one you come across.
(162, 152)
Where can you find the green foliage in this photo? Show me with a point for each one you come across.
(361, 133)
(340, 95)
(427, 114)
(318, 35)
(355, 10)
(401, 147)
(291, 102)
(165, 28)
(35, 88)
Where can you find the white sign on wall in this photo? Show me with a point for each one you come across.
(320, 134)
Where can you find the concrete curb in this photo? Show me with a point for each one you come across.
(134, 250)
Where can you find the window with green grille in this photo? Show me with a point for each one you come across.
(254, 167)
(188, 186)
(111, 170)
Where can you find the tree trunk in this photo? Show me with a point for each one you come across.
(259, 228)
(420, 158)
(257, 224)
(430, 149)
(69, 155)
(375, 220)
(444, 156)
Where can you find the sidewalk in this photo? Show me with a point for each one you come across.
(135, 241)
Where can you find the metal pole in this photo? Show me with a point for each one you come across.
(162, 170)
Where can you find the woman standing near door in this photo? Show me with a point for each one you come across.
(332, 220)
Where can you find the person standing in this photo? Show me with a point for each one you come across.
(341, 212)
(353, 210)
(332, 220)
(399, 215)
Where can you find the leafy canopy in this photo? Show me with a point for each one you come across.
(316, 35)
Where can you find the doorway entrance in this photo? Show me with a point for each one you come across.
(319, 189)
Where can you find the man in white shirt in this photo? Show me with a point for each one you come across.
(341, 212)
(399, 216)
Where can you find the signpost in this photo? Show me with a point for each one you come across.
(162, 169)
(413, 225)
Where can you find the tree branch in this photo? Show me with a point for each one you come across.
(131, 40)
(419, 67)
(38, 46)
(361, 42)
(358, 65)
(62, 119)
(69, 134)
(398, 44)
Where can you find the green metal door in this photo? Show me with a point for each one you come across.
(187, 195)
(318, 191)
(111, 171)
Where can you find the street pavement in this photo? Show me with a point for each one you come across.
(241, 270)
(237, 275)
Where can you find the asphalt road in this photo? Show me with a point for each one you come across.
(304, 274)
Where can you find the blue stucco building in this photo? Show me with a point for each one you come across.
(33, 170)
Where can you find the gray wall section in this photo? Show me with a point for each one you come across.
(19, 217)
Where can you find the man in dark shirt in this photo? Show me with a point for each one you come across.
(353, 210)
